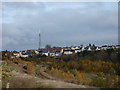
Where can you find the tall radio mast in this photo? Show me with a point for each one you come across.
(39, 40)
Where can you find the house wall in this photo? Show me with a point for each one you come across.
(68, 52)
(45, 54)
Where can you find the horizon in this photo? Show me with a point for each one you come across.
(60, 24)
(63, 46)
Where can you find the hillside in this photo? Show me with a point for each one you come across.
(17, 77)
(80, 70)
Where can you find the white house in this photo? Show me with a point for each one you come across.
(117, 46)
(75, 47)
(104, 47)
(57, 54)
(97, 48)
(45, 53)
(36, 52)
(52, 54)
(23, 55)
(66, 52)
(89, 49)
(16, 54)
(77, 50)
(83, 48)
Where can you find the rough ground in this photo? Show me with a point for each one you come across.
(39, 82)
(20, 79)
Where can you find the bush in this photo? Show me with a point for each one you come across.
(29, 68)
(107, 81)
(61, 74)
(80, 77)
(97, 81)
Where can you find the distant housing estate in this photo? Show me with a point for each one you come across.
(57, 51)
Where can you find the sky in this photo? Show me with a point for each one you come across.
(60, 24)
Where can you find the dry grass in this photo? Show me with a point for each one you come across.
(81, 77)
(62, 75)
(20, 82)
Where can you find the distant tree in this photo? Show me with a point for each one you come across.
(93, 45)
(6, 51)
(48, 47)
(90, 45)
(81, 45)
(113, 57)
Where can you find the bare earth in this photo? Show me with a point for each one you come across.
(20, 79)
(38, 82)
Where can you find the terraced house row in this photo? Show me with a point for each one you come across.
(57, 51)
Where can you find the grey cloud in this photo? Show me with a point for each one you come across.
(89, 24)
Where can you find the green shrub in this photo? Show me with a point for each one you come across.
(100, 81)
(97, 81)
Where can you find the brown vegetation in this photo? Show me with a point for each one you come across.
(95, 73)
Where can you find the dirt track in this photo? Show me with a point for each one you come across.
(38, 82)
(22, 80)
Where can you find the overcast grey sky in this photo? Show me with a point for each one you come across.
(60, 24)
